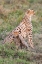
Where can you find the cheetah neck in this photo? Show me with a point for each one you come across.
(28, 18)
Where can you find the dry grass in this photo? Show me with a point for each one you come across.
(11, 14)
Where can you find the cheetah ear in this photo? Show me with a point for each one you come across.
(28, 11)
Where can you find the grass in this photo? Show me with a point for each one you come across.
(13, 61)
(37, 26)
(9, 55)
(9, 20)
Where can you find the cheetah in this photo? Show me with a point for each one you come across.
(23, 30)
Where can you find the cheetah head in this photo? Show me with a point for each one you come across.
(30, 12)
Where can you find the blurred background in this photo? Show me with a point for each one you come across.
(11, 14)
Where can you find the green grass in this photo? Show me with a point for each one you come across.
(37, 26)
(13, 61)
(10, 55)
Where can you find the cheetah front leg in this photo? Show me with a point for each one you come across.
(30, 40)
(23, 41)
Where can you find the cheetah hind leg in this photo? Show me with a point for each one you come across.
(18, 42)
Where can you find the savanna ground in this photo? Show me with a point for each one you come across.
(11, 14)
